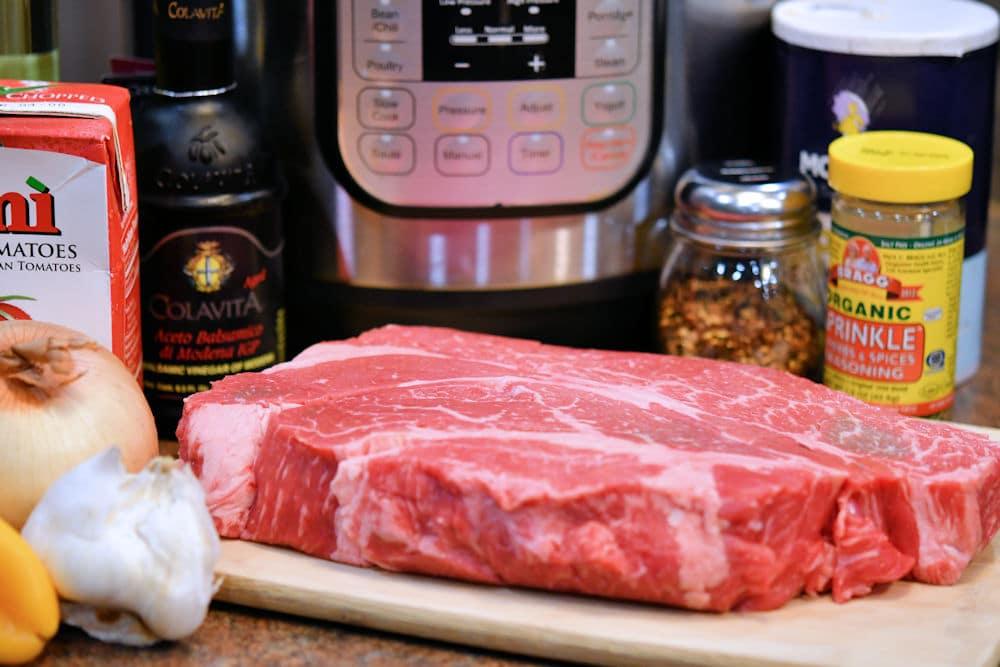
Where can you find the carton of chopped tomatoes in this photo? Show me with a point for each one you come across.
(69, 249)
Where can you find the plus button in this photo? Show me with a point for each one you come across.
(536, 64)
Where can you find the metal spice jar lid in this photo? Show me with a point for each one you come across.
(743, 203)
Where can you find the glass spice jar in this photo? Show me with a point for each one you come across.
(742, 280)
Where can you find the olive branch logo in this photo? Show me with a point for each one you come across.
(205, 146)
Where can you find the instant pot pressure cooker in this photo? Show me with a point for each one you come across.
(494, 165)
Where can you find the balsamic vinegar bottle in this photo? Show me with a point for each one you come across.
(210, 236)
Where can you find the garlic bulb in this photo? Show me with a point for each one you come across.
(132, 556)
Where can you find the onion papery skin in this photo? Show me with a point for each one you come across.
(45, 432)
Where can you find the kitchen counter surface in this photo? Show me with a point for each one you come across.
(233, 635)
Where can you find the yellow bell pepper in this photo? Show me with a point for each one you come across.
(29, 606)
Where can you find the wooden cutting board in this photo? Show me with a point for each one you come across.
(905, 624)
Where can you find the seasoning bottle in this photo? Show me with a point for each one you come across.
(741, 280)
(210, 233)
(898, 223)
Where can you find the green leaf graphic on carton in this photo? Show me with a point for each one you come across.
(36, 184)
(5, 90)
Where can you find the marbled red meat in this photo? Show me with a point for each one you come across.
(681, 481)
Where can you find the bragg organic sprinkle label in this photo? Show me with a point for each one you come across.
(892, 319)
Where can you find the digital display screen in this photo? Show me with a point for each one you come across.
(498, 40)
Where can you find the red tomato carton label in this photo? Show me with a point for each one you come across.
(69, 249)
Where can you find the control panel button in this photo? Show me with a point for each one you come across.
(537, 63)
(391, 154)
(462, 155)
(535, 153)
(386, 108)
(381, 20)
(461, 109)
(604, 148)
(536, 107)
(609, 56)
(386, 61)
(609, 103)
(608, 18)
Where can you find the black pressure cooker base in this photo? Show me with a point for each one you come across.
(614, 314)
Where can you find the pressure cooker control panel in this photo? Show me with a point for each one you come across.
(486, 103)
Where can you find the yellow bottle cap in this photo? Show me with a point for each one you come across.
(900, 167)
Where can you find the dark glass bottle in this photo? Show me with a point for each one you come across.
(210, 236)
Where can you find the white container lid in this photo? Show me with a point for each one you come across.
(887, 27)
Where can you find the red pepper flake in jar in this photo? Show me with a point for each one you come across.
(721, 319)
(742, 281)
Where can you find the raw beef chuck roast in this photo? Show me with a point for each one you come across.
(681, 481)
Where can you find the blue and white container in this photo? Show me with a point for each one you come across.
(848, 66)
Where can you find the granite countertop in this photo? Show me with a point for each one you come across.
(234, 635)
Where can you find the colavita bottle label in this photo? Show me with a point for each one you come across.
(215, 307)
(892, 319)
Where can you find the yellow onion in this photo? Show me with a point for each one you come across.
(63, 398)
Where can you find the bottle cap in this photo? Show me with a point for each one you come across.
(744, 203)
(900, 28)
(900, 167)
(194, 46)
